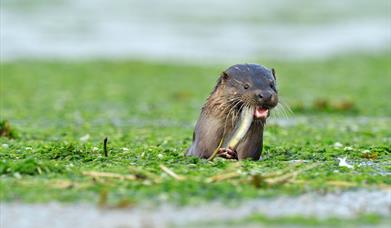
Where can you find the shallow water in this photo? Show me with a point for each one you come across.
(342, 205)
(195, 31)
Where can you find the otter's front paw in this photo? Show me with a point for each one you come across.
(227, 153)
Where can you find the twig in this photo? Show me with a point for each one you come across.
(62, 184)
(105, 147)
(351, 184)
(171, 173)
(279, 172)
(139, 173)
(223, 176)
(216, 151)
(270, 179)
(109, 175)
(342, 184)
(289, 176)
(228, 173)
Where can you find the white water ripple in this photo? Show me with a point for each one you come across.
(343, 205)
(196, 31)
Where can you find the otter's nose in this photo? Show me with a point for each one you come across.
(265, 95)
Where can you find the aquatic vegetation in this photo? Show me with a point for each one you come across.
(63, 112)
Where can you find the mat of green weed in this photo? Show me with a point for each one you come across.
(60, 112)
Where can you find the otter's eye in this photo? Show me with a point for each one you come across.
(246, 86)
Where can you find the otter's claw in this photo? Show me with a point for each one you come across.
(227, 153)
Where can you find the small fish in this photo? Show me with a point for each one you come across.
(244, 123)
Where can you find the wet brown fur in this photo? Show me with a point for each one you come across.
(217, 120)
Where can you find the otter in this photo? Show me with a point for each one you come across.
(241, 85)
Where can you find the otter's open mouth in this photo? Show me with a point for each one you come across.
(261, 113)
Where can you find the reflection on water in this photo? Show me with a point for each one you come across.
(349, 204)
(192, 30)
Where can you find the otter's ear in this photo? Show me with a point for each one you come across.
(224, 76)
(274, 74)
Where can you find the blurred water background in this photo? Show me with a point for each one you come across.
(197, 31)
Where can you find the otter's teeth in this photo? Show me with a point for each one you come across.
(261, 112)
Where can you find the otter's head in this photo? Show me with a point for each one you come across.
(251, 85)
